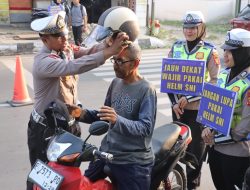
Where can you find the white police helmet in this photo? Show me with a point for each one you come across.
(236, 38)
(192, 19)
(54, 24)
(121, 19)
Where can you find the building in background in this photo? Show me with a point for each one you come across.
(19, 11)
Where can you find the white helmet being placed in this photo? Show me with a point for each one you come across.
(121, 19)
(192, 19)
(236, 38)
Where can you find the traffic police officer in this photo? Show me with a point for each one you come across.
(229, 157)
(185, 108)
(52, 69)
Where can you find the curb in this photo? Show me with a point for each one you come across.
(20, 48)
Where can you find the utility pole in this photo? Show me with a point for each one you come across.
(147, 13)
(237, 7)
(152, 18)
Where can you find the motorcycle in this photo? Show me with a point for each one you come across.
(39, 13)
(65, 153)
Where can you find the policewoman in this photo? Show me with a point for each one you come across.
(229, 157)
(185, 108)
(55, 67)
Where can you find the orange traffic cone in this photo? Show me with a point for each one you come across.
(21, 95)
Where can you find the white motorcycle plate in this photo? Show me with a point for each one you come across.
(44, 176)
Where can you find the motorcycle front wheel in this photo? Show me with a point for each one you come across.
(176, 180)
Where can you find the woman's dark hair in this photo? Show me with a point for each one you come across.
(241, 58)
(55, 1)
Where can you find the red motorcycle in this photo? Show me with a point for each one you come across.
(66, 152)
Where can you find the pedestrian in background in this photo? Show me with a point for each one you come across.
(59, 5)
(51, 67)
(185, 108)
(229, 157)
(78, 20)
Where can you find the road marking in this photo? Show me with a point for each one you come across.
(167, 111)
(112, 73)
(4, 105)
(27, 74)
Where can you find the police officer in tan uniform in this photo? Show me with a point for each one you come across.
(185, 108)
(51, 68)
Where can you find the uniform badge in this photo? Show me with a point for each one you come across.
(199, 55)
(216, 57)
(244, 74)
(189, 18)
(248, 97)
(236, 89)
(177, 54)
(60, 22)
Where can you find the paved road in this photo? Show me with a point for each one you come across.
(14, 165)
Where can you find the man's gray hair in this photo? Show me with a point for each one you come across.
(134, 51)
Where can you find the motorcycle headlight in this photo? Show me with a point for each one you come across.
(55, 149)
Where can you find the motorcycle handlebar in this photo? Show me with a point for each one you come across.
(103, 155)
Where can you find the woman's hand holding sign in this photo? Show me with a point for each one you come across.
(208, 136)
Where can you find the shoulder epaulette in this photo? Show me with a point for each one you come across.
(225, 71)
(207, 44)
(54, 56)
(178, 42)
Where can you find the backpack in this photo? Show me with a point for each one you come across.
(81, 7)
(67, 8)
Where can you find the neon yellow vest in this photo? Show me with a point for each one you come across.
(202, 53)
(239, 86)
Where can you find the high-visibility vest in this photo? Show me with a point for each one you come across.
(240, 86)
(203, 53)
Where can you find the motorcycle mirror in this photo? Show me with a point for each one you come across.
(98, 128)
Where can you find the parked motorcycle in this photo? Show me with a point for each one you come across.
(39, 13)
(66, 152)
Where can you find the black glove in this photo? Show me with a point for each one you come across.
(87, 154)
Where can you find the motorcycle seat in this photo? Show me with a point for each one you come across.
(164, 137)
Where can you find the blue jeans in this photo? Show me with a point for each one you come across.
(124, 176)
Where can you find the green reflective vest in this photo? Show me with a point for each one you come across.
(203, 53)
(240, 86)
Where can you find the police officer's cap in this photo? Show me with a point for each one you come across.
(192, 19)
(236, 38)
(54, 24)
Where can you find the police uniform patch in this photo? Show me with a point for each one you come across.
(199, 55)
(248, 97)
(216, 57)
(236, 89)
(177, 54)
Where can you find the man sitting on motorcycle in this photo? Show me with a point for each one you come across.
(130, 108)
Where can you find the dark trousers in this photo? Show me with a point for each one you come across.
(77, 33)
(227, 171)
(124, 176)
(36, 144)
(196, 147)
